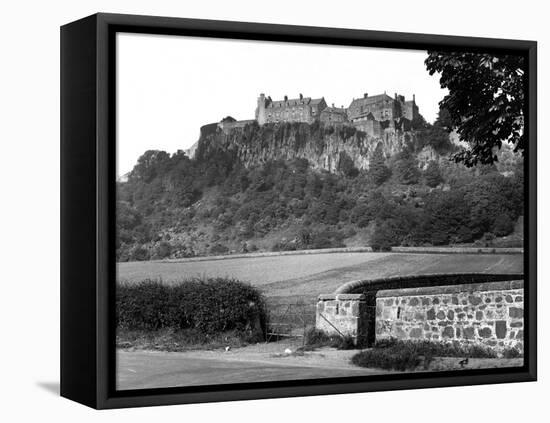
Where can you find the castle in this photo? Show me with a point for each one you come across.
(374, 115)
(382, 118)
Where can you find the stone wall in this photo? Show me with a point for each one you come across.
(228, 126)
(489, 313)
(343, 315)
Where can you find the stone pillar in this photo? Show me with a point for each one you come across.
(343, 315)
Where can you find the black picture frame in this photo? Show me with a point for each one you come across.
(87, 210)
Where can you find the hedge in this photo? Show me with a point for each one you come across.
(212, 305)
(393, 354)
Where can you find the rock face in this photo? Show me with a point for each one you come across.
(323, 146)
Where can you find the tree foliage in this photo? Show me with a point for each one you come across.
(378, 171)
(346, 165)
(173, 206)
(405, 168)
(432, 174)
(485, 102)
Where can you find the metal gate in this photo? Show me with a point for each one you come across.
(289, 321)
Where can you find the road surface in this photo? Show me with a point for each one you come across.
(148, 369)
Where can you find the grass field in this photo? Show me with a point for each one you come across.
(293, 277)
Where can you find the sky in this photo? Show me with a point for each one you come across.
(169, 86)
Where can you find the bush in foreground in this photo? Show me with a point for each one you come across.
(399, 355)
(388, 359)
(316, 338)
(210, 306)
(439, 349)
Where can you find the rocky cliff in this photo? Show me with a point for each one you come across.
(323, 146)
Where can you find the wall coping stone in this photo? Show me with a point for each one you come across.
(342, 297)
(437, 279)
(451, 289)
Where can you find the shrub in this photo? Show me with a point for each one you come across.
(487, 239)
(439, 349)
(163, 250)
(139, 253)
(512, 353)
(432, 174)
(387, 359)
(219, 249)
(326, 239)
(392, 354)
(284, 245)
(346, 343)
(211, 306)
(378, 171)
(347, 166)
(504, 225)
(383, 237)
(316, 338)
(405, 168)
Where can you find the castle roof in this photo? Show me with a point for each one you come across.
(334, 110)
(295, 102)
(365, 101)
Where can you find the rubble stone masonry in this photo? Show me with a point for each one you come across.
(343, 315)
(489, 313)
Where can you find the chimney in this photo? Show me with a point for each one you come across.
(301, 96)
(395, 95)
(414, 98)
(365, 95)
(286, 98)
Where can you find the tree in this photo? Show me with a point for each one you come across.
(438, 138)
(444, 120)
(405, 168)
(504, 225)
(447, 218)
(383, 237)
(378, 171)
(346, 165)
(485, 101)
(149, 164)
(433, 174)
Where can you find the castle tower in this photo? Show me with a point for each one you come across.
(260, 110)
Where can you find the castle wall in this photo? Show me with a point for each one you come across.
(317, 108)
(330, 116)
(371, 127)
(410, 110)
(385, 110)
(294, 113)
(380, 108)
(227, 126)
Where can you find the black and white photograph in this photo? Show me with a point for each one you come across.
(294, 211)
(276, 212)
